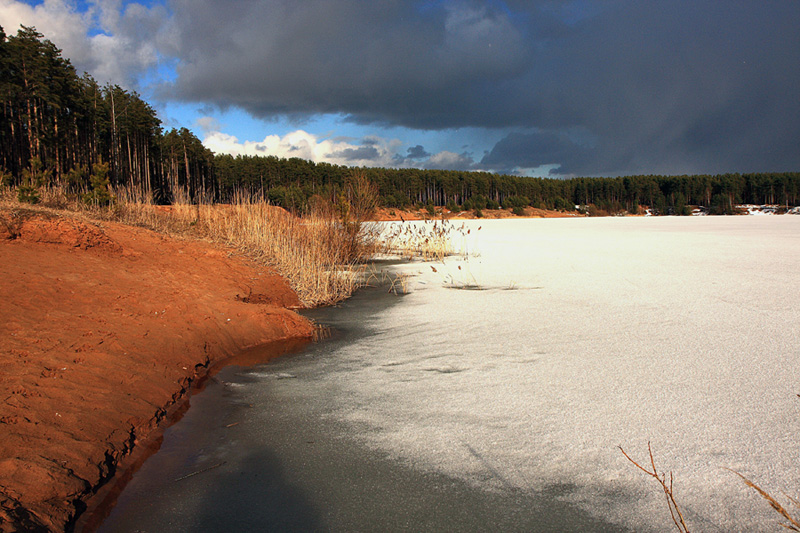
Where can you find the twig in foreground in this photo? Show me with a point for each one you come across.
(674, 510)
(201, 471)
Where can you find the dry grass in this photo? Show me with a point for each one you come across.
(431, 240)
(793, 523)
(309, 251)
(319, 254)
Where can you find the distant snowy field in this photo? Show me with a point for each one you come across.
(588, 334)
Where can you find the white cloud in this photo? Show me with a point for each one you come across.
(57, 20)
(370, 151)
(449, 160)
(105, 40)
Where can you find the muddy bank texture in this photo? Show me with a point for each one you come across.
(102, 328)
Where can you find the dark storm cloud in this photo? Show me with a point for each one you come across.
(682, 87)
(672, 87)
(417, 152)
(387, 62)
(531, 150)
(362, 153)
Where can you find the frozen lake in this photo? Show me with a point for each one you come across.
(502, 408)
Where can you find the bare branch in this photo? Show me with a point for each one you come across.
(672, 505)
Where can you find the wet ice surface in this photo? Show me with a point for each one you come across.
(586, 334)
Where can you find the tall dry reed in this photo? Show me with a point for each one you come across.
(429, 240)
(312, 252)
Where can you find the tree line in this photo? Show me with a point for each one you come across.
(62, 129)
(292, 182)
(59, 128)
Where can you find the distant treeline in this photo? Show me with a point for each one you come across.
(61, 129)
(291, 182)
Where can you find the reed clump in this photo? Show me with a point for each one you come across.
(320, 253)
(315, 253)
(429, 240)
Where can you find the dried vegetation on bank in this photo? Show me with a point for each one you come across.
(320, 253)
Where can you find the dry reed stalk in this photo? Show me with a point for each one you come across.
(7, 194)
(794, 524)
(399, 284)
(674, 510)
(430, 241)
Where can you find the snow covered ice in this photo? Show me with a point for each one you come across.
(589, 334)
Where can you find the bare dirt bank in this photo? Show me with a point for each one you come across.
(102, 328)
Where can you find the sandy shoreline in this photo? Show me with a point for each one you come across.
(104, 329)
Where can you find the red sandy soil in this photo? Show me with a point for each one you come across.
(103, 328)
(388, 214)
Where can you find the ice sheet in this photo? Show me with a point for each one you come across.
(587, 334)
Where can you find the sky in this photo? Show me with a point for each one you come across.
(539, 87)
